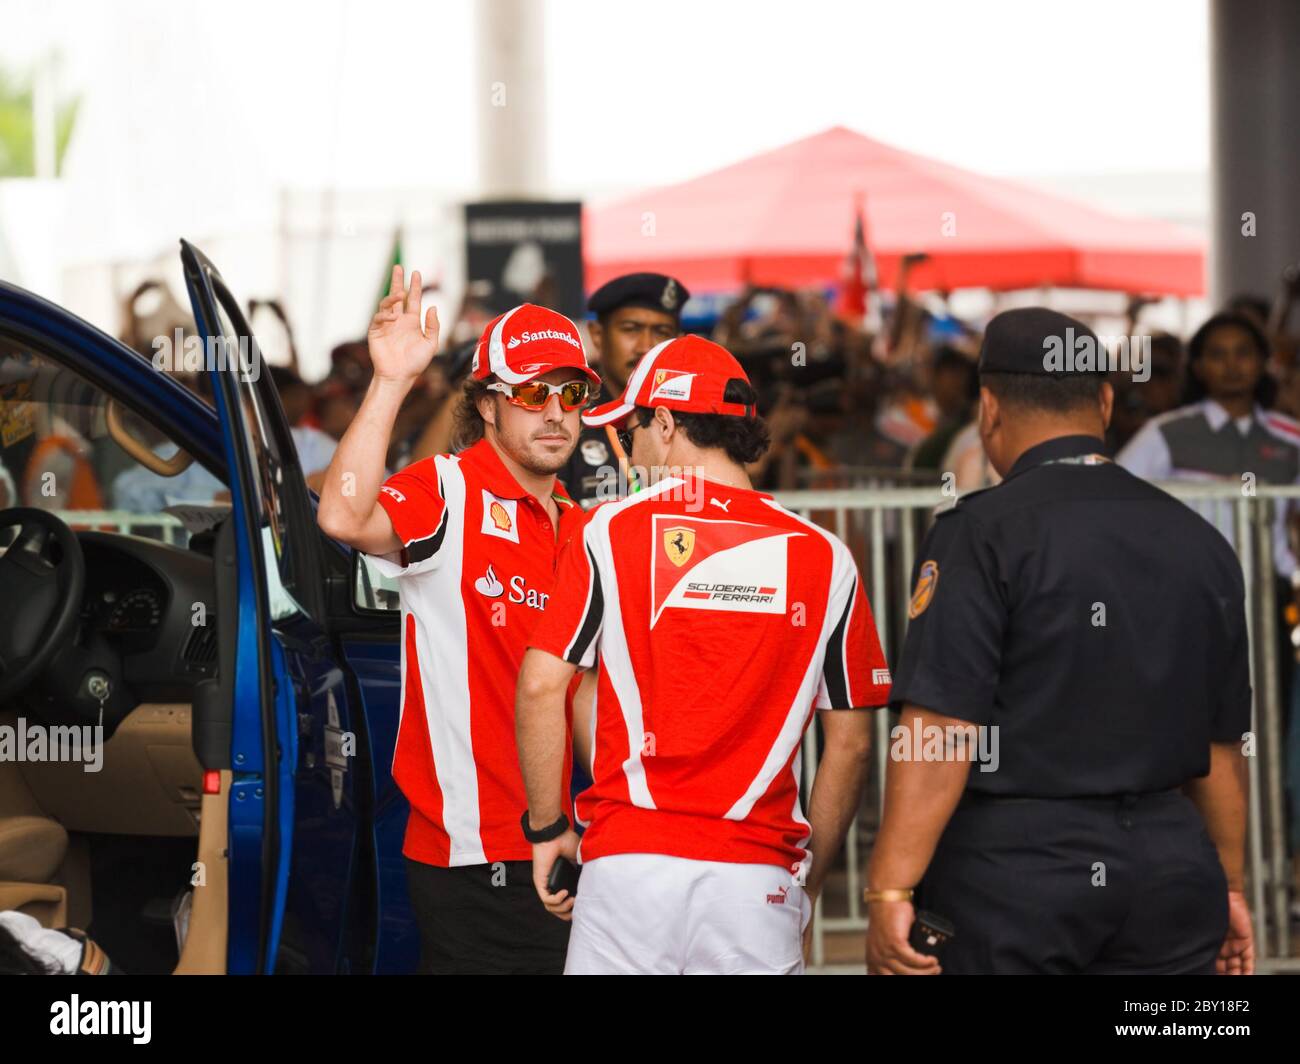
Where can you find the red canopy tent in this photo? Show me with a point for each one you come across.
(785, 217)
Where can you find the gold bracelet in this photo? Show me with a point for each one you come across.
(895, 894)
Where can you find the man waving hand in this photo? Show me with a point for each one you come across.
(473, 539)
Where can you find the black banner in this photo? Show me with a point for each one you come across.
(526, 252)
(362, 1016)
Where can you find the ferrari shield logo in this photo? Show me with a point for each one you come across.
(679, 542)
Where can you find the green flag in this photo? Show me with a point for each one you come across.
(394, 259)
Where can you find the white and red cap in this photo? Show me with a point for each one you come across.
(528, 341)
(688, 374)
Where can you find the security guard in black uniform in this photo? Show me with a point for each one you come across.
(634, 313)
(1066, 785)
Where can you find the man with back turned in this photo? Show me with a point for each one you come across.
(1091, 630)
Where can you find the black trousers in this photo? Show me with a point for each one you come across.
(484, 920)
(1109, 885)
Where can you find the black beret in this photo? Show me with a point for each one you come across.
(1042, 342)
(653, 290)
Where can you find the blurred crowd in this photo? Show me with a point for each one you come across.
(898, 404)
(891, 399)
(847, 404)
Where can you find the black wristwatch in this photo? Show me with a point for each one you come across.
(546, 834)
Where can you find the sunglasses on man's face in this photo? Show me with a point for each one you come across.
(534, 395)
(638, 421)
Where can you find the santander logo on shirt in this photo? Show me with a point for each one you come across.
(489, 585)
(521, 594)
(717, 565)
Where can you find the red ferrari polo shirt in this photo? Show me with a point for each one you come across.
(475, 573)
(719, 620)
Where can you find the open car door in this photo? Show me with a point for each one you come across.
(282, 701)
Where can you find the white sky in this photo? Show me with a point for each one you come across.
(642, 93)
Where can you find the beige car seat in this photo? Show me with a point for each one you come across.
(32, 849)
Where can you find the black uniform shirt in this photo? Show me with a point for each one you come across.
(1098, 622)
(591, 474)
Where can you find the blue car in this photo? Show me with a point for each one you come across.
(199, 690)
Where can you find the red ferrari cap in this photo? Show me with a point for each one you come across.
(688, 373)
(528, 341)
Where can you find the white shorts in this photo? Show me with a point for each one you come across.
(647, 913)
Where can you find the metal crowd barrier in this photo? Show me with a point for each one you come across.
(884, 527)
(862, 478)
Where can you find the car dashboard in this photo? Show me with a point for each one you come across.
(155, 604)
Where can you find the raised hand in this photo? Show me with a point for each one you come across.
(399, 348)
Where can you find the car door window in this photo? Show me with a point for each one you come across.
(58, 453)
(271, 462)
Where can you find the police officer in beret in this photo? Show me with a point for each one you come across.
(633, 314)
(1066, 784)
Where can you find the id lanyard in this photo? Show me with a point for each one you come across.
(624, 460)
(1079, 459)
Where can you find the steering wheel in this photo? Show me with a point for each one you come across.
(42, 581)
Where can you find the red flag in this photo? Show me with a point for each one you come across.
(858, 295)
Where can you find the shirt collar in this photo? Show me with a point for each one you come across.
(562, 497)
(719, 488)
(572, 516)
(485, 461)
(1057, 447)
(1218, 417)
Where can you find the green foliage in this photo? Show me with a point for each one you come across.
(17, 133)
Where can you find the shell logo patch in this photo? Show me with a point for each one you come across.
(500, 517)
(679, 544)
(925, 585)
